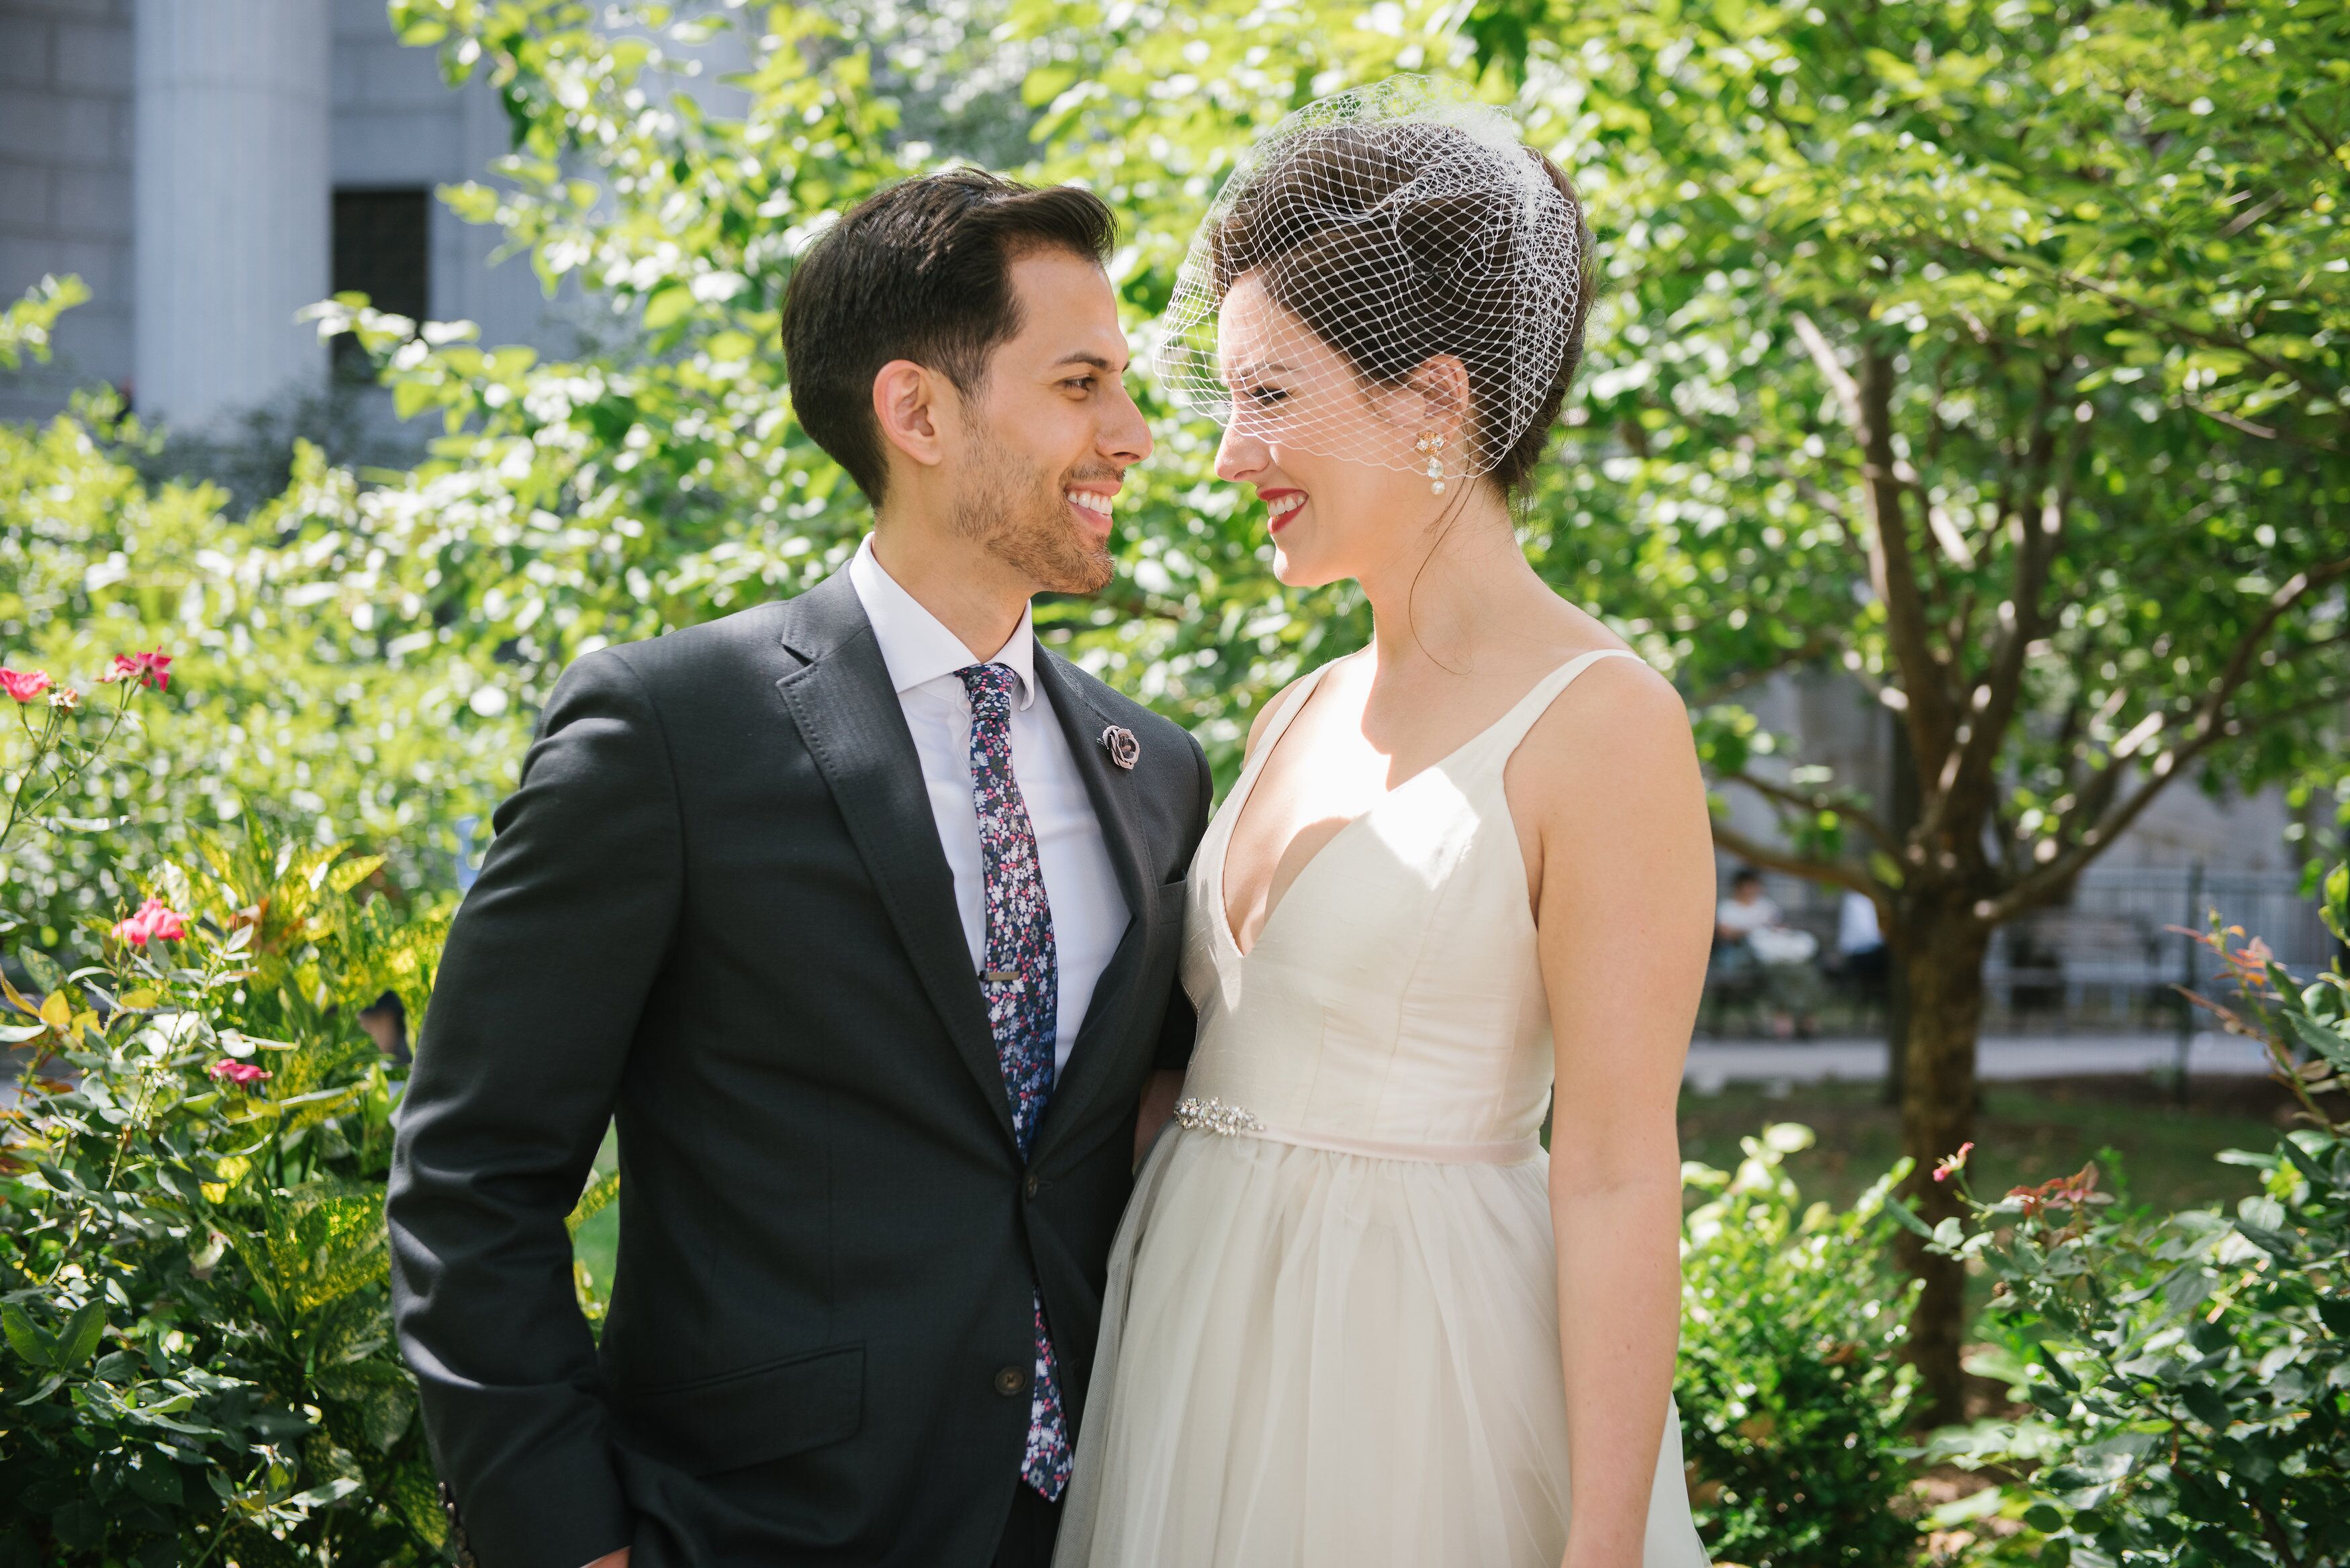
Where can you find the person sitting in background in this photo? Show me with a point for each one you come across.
(1860, 944)
(1752, 931)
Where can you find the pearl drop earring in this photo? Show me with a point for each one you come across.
(1433, 443)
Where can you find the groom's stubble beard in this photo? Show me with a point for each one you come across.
(1021, 517)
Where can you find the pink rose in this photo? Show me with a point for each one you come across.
(154, 669)
(243, 1074)
(155, 921)
(1956, 1162)
(25, 685)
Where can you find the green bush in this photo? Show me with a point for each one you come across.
(198, 1360)
(1792, 1389)
(2194, 1368)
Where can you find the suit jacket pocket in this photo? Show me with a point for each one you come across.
(751, 1417)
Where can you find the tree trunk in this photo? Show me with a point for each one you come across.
(1902, 821)
(1941, 961)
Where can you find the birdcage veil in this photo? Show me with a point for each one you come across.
(1380, 228)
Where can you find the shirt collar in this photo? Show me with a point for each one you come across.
(916, 646)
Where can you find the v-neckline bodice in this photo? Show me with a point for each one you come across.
(1244, 790)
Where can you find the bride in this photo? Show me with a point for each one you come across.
(1357, 1315)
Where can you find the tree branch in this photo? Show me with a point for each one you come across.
(2210, 725)
(1811, 648)
(1967, 782)
(1836, 873)
(1867, 404)
(1816, 803)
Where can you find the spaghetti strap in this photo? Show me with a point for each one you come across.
(1285, 710)
(1503, 738)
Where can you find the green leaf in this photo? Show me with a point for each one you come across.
(2278, 1244)
(80, 1523)
(78, 1341)
(351, 873)
(2308, 1166)
(2323, 1038)
(42, 968)
(156, 1479)
(1908, 1218)
(669, 304)
(600, 1193)
(2203, 1402)
(28, 1338)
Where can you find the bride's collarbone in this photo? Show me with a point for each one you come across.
(1336, 762)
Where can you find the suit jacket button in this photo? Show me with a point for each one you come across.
(1031, 1185)
(1011, 1380)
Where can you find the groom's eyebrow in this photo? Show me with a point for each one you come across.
(1084, 357)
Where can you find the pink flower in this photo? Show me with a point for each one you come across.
(25, 685)
(64, 697)
(1956, 1162)
(156, 921)
(243, 1074)
(154, 669)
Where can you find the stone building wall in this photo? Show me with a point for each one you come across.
(65, 184)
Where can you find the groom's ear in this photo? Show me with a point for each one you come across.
(908, 407)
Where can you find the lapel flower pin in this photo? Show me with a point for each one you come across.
(1124, 749)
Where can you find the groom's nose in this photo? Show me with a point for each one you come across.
(1124, 438)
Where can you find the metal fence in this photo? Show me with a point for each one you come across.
(2110, 960)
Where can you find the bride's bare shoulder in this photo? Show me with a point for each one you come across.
(1620, 729)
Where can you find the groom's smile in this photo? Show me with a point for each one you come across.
(1095, 509)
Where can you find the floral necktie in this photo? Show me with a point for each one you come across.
(1020, 979)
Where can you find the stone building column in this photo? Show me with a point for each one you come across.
(233, 202)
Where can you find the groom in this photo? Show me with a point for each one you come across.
(860, 914)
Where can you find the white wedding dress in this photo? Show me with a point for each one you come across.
(1331, 1333)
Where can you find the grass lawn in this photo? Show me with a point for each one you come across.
(2150, 1148)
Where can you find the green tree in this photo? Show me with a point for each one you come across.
(1990, 353)
(1994, 354)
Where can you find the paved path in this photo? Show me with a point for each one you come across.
(1714, 1063)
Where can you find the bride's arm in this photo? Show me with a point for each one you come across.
(1623, 907)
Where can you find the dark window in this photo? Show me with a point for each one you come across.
(381, 251)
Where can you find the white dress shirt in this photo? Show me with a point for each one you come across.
(1089, 912)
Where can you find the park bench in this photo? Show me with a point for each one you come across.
(2057, 960)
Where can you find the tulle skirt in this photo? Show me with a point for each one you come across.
(1312, 1359)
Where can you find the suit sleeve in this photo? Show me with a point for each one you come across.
(1180, 1029)
(546, 972)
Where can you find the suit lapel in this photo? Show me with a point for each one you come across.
(848, 713)
(1112, 793)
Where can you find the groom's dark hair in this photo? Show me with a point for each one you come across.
(921, 271)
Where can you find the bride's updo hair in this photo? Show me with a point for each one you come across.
(1400, 223)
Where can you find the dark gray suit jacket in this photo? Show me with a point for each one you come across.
(717, 909)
